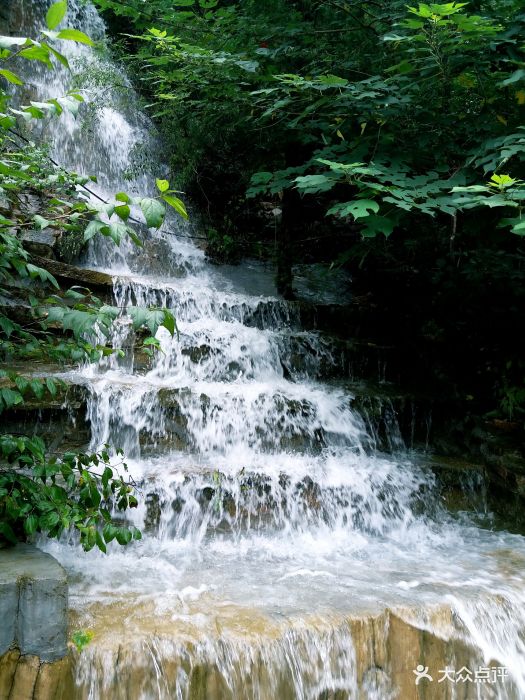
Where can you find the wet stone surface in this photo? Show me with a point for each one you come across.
(33, 603)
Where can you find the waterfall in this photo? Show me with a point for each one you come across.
(284, 555)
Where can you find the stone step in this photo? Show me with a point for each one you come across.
(73, 275)
(230, 652)
(392, 421)
(33, 603)
(190, 300)
(230, 351)
(388, 419)
(284, 416)
(187, 496)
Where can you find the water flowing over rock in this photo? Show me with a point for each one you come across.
(284, 555)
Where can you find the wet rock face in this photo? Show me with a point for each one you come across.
(33, 603)
(33, 626)
(60, 419)
(95, 280)
(10, 11)
(28, 678)
(362, 657)
(40, 242)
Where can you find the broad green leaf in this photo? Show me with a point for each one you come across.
(154, 212)
(123, 535)
(51, 385)
(30, 524)
(123, 211)
(311, 184)
(117, 231)
(262, 178)
(37, 52)
(59, 56)
(163, 185)
(10, 397)
(93, 228)
(109, 532)
(136, 240)
(519, 228)
(514, 77)
(11, 77)
(100, 542)
(377, 224)
(40, 221)
(56, 14)
(177, 204)
(71, 104)
(169, 322)
(75, 35)
(359, 208)
(44, 275)
(7, 326)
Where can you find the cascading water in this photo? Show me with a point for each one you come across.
(283, 556)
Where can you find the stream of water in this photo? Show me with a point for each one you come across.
(276, 535)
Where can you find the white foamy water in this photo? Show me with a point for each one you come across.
(270, 520)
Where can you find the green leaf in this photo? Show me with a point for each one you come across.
(110, 532)
(169, 322)
(106, 476)
(70, 103)
(136, 240)
(93, 228)
(519, 228)
(513, 78)
(359, 208)
(52, 387)
(49, 520)
(6, 325)
(177, 204)
(30, 524)
(123, 535)
(163, 185)
(117, 231)
(100, 542)
(43, 274)
(37, 387)
(11, 77)
(152, 341)
(75, 35)
(311, 184)
(154, 212)
(37, 52)
(56, 14)
(377, 224)
(40, 221)
(262, 178)
(123, 211)
(10, 397)
(7, 531)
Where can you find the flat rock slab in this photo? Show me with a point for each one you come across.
(79, 275)
(33, 603)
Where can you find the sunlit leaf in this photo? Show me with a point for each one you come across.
(56, 14)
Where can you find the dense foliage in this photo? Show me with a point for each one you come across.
(384, 137)
(42, 322)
